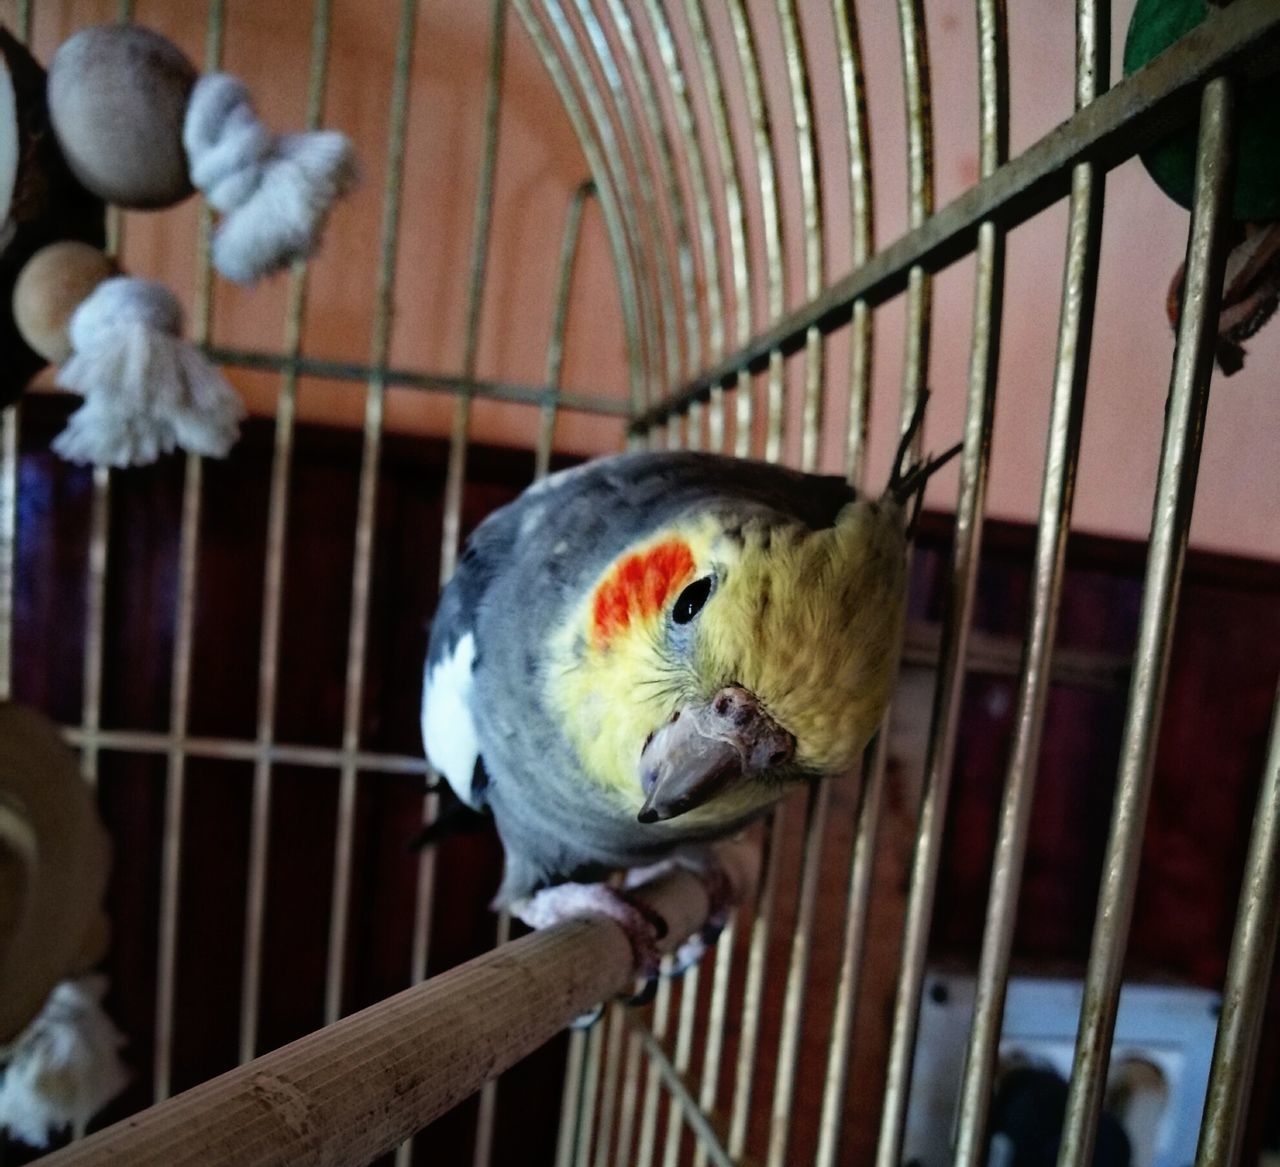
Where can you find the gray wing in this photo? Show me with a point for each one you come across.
(449, 731)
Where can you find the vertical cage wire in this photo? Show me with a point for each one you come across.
(914, 45)
(815, 821)
(609, 154)
(458, 436)
(571, 1100)
(614, 1039)
(370, 458)
(655, 1079)
(1075, 330)
(732, 177)
(717, 1011)
(99, 550)
(627, 1107)
(273, 586)
(672, 72)
(559, 322)
(648, 1119)
(589, 1095)
(920, 198)
(753, 986)
(765, 174)
(184, 635)
(542, 465)
(643, 78)
(677, 315)
(1248, 980)
(619, 240)
(984, 358)
(872, 776)
(809, 169)
(1171, 520)
(853, 96)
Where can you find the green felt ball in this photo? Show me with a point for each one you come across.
(1155, 25)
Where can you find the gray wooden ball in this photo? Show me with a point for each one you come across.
(117, 98)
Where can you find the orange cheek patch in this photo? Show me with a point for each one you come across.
(640, 586)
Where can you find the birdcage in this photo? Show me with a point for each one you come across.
(587, 224)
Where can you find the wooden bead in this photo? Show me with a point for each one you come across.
(117, 99)
(50, 288)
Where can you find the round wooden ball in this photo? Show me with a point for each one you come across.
(50, 287)
(117, 99)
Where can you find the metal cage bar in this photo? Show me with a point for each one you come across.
(99, 550)
(273, 588)
(1130, 116)
(656, 127)
(1171, 519)
(542, 465)
(614, 223)
(771, 218)
(609, 167)
(733, 176)
(634, 161)
(753, 987)
(672, 323)
(375, 406)
(1070, 380)
(975, 458)
(183, 639)
(1244, 996)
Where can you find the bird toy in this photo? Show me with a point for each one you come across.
(124, 119)
(1251, 285)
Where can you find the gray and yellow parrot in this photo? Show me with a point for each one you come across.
(642, 654)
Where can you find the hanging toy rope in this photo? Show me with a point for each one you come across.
(146, 390)
(137, 123)
(274, 191)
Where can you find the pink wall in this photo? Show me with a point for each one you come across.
(540, 165)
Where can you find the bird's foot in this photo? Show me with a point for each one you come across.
(720, 896)
(643, 926)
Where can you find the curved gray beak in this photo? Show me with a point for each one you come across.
(705, 747)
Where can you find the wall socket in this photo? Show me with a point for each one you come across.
(1159, 1060)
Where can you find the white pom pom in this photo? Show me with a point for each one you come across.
(64, 1067)
(274, 192)
(146, 390)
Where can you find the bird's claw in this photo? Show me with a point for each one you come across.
(720, 900)
(644, 927)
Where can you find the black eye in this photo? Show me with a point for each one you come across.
(689, 602)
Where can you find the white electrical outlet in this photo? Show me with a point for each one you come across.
(1159, 1060)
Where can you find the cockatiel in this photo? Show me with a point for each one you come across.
(642, 654)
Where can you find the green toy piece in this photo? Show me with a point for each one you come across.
(1155, 25)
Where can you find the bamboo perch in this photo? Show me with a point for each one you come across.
(354, 1090)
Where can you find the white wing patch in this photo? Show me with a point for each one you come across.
(448, 730)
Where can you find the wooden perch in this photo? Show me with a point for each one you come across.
(354, 1090)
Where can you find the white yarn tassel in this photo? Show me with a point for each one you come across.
(273, 191)
(146, 390)
(64, 1067)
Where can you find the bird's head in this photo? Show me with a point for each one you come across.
(729, 653)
